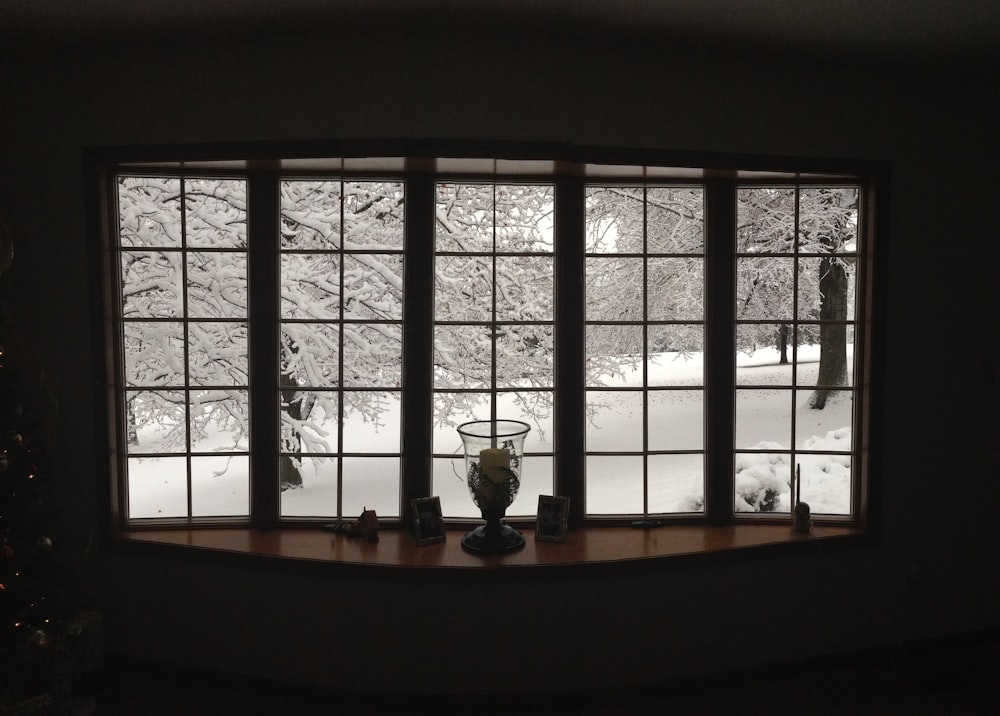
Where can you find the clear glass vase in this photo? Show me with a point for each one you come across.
(494, 452)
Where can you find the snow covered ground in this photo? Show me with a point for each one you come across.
(220, 485)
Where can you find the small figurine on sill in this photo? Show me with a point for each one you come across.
(365, 527)
(802, 520)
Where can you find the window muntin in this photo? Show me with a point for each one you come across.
(493, 328)
(644, 329)
(183, 308)
(341, 354)
(190, 313)
(797, 255)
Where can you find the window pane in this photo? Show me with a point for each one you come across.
(372, 484)
(614, 355)
(525, 356)
(765, 220)
(763, 482)
(450, 411)
(149, 211)
(676, 483)
(220, 420)
(524, 218)
(310, 355)
(676, 355)
(216, 213)
(535, 408)
(373, 287)
(220, 486)
(536, 479)
(373, 355)
(464, 217)
(157, 487)
(676, 419)
(372, 422)
(448, 483)
(310, 215)
(151, 284)
(310, 286)
(309, 422)
(831, 368)
(614, 420)
(826, 288)
(462, 357)
(463, 288)
(615, 217)
(218, 353)
(675, 218)
(614, 485)
(614, 289)
(826, 428)
(764, 354)
(154, 354)
(217, 284)
(763, 419)
(764, 289)
(828, 221)
(317, 494)
(373, 217)
(675, 289)
(525, 286)
(155, 421)
(826, 483)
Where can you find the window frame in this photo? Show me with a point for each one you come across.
(570, 169)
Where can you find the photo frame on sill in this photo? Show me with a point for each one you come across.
(553, 519)
(428, 523)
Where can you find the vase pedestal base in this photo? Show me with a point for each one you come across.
(483, 540)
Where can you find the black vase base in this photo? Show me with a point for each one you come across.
(507, 540)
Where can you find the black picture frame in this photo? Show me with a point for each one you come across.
(428, 523)
(552, 521)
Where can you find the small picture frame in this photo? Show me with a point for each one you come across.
(553, 518)
(428, 524)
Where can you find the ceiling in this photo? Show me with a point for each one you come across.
(917, 30)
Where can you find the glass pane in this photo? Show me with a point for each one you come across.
(217, 353)
(310, 215)
(525, 286)
(309, 422)
(763, 419)
(763, 482)
(614, 289)
(450, 411)
(525, 355)
(371, 422)
(828, 219)
(826, 288)
(764, 354)
(373, 215)
(826, 483)
(830, 367)
(317, 496)
(675, 289)
(220, 486)
(217, 284)
(676, 355)
(310, 354)
(149, 211)
(676, 419)
(524, 217)
(373, 287)
(463, 288)
(448, 483)
(826, 428)
(216, 213)
(534, 408)
(675, 220)
(764, 289)
(371, 483)
(676, 483)
(536, 479)
(155, 421)
(220, 420)
(614, 485)
(614, 420)
(154, 354)
(765, 220)
(462, 356)
(310, 286)
(464, 214)
(614, 355)
(157, 487)
(373, 355)
(151, 284)
(614, 219)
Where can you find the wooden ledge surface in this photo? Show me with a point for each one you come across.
(398, 549)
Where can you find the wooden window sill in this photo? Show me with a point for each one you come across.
(397, 550)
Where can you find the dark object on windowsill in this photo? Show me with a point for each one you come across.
(647, 524)
(365, 527)
(802, 519)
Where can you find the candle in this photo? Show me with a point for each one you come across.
(490, 460)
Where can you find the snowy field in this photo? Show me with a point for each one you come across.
(220, 485)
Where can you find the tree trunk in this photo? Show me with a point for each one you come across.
(291, 448)
(832, 330)
(783, 343)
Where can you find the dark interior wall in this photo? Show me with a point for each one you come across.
(935, 568)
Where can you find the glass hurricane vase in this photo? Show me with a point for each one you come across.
(494, 451)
